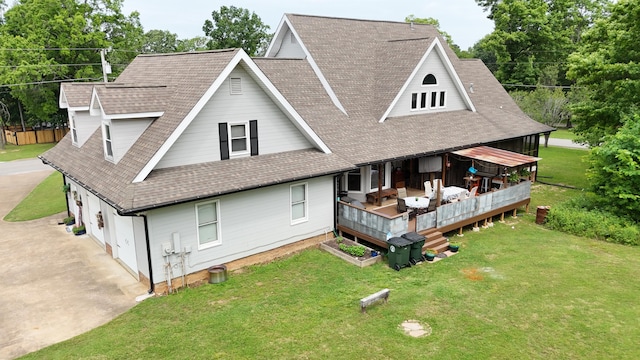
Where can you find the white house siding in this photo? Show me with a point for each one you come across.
(435, 65)
(93, 208)
(290, 47)
(85, 125)
(124, 133)
(251, 222)
(200, 141)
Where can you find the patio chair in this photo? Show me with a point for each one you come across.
(402, 192)
(473, 192)
(428, 190)
(402, 207)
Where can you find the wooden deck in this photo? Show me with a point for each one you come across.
(375, 223)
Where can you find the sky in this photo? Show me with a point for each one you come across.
(464, 20)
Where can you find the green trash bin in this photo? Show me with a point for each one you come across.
(399, 251)
(417, 242)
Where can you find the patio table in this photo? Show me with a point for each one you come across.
(417, 202)
(452, 192)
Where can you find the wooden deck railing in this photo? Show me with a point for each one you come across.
(373, 226)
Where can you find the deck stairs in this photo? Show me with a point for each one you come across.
(434, 240)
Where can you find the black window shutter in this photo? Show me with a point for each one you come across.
(224, 141)
(253, 136)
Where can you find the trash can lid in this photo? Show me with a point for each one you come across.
(413, 236)
(398, 241)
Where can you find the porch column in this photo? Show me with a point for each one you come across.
(380, 167)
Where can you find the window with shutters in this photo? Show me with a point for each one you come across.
(238, 139)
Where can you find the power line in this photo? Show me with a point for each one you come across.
(50, 82)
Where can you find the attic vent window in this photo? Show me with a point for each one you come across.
(429, 80)
(235, 86)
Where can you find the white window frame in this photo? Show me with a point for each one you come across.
(305, 203)
(74, 132)
(107, 143)
(217, 242)
(247, 150)
(386, 179)
(346, 179)
(442, 99)
(414, 101)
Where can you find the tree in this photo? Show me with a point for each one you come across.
(48, 41)
(607, 66)
(431, 21)
(544, 105)
(194, 44)
(534, 37)
(160, 41)
(614, 169)
(234, 27)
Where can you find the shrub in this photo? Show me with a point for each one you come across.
(583, 217)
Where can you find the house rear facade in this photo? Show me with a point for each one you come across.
(190, 160)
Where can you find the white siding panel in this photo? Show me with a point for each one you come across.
(290, 47)
(251, 222)
(435, 65)
(92, 220)
(200, 142)
(124, 133)
(85, 125)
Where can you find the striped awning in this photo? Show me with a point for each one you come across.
(497, 156)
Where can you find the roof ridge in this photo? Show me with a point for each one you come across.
(355, 19)
(190, 52)
(413, 39)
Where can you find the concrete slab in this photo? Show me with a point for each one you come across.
(54, 285)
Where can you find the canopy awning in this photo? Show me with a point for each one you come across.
(501, 157)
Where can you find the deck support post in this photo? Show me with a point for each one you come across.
(475, 226)
(515, 213)
(502, 217)
(460, 232)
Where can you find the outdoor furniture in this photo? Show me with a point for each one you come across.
(416, 202)
(402, 192)
(402, 207)
(428, 190)
(452, 192)
(372, 197)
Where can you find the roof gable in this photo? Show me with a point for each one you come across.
(119, 101)
(435, 49)
(240, 58)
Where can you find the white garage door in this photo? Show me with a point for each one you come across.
(125, 244)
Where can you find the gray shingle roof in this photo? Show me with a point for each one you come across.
(78, 94)
(125, 99)
(365, 62)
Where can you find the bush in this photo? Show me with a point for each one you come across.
(583, 217)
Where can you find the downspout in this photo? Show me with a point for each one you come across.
(335, 201)
(66, 193)
(146, 237)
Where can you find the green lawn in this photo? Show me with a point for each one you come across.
(13, 152)
(563, 134)
(515, 291)
(46, 199)
(563, 166)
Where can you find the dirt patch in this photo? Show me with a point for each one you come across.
(472, 274)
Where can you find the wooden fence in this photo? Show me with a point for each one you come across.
(35, 136)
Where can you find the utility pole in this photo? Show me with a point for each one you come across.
(106, 67)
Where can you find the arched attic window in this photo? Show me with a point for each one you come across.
(429, 80)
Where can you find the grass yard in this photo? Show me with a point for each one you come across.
(14, 152)
(45, 199)
(515, 291)
(563, 134)
(521, 292)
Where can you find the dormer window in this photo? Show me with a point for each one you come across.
(108, 148)
(238, 139)
(74, 132)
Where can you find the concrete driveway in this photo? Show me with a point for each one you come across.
(54, 285)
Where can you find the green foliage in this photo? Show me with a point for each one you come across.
(77, 229)
(431, 21)
(234, 27)
(607, 65)
(544, 105)
(69, 220)
(355, 250)
(159, 42)
(532, 38)
(45, 41)
(614, 169)
(582, 216)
